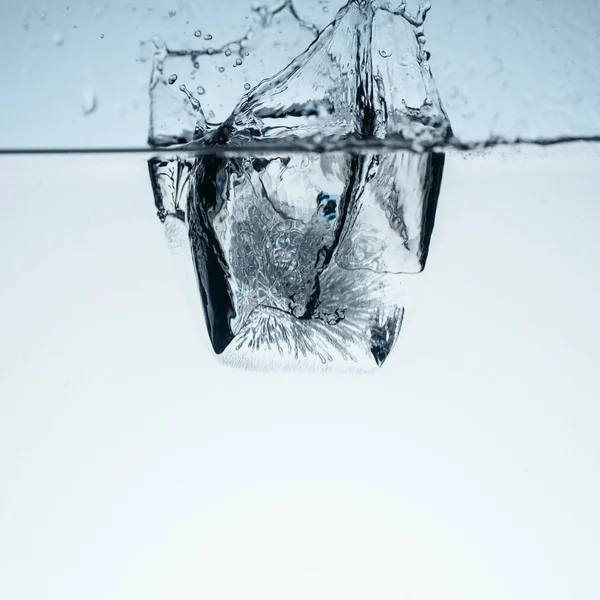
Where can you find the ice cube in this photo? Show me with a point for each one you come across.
(299, 255)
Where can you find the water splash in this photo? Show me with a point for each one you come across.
(298, 256)
(408, 115)
(171, 122)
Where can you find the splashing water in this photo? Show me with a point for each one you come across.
(411, 114)
(173, 119)
(299, 255)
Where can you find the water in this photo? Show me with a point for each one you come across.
(307, 203)
(486, 407)
(513, 244)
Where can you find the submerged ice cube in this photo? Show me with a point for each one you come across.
(299, 255)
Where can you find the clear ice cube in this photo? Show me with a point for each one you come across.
(299, 255)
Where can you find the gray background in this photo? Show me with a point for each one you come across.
(504, 67)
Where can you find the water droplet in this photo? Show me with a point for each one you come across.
(200, 90)
(238, 62)
(246, 53)
(228, 52)
(384, 54)
(197, 33)
(247, 86)
(207, 37)
(193, 101)
(172, 79)
(58, 39)
(89, 101)
(210, 51)
(101, 36)
(221, 69)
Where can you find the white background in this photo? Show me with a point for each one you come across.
(133, 465)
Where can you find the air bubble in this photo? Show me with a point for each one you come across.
(406, 59)
(228, 52)
(221, 69)
(197, 33)
(145, 52)
(207, 37)
(172, 79)
(158, 42)
(200, 90)
(247, 86)
(89, 101)
(384, 54)
(238, 62)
